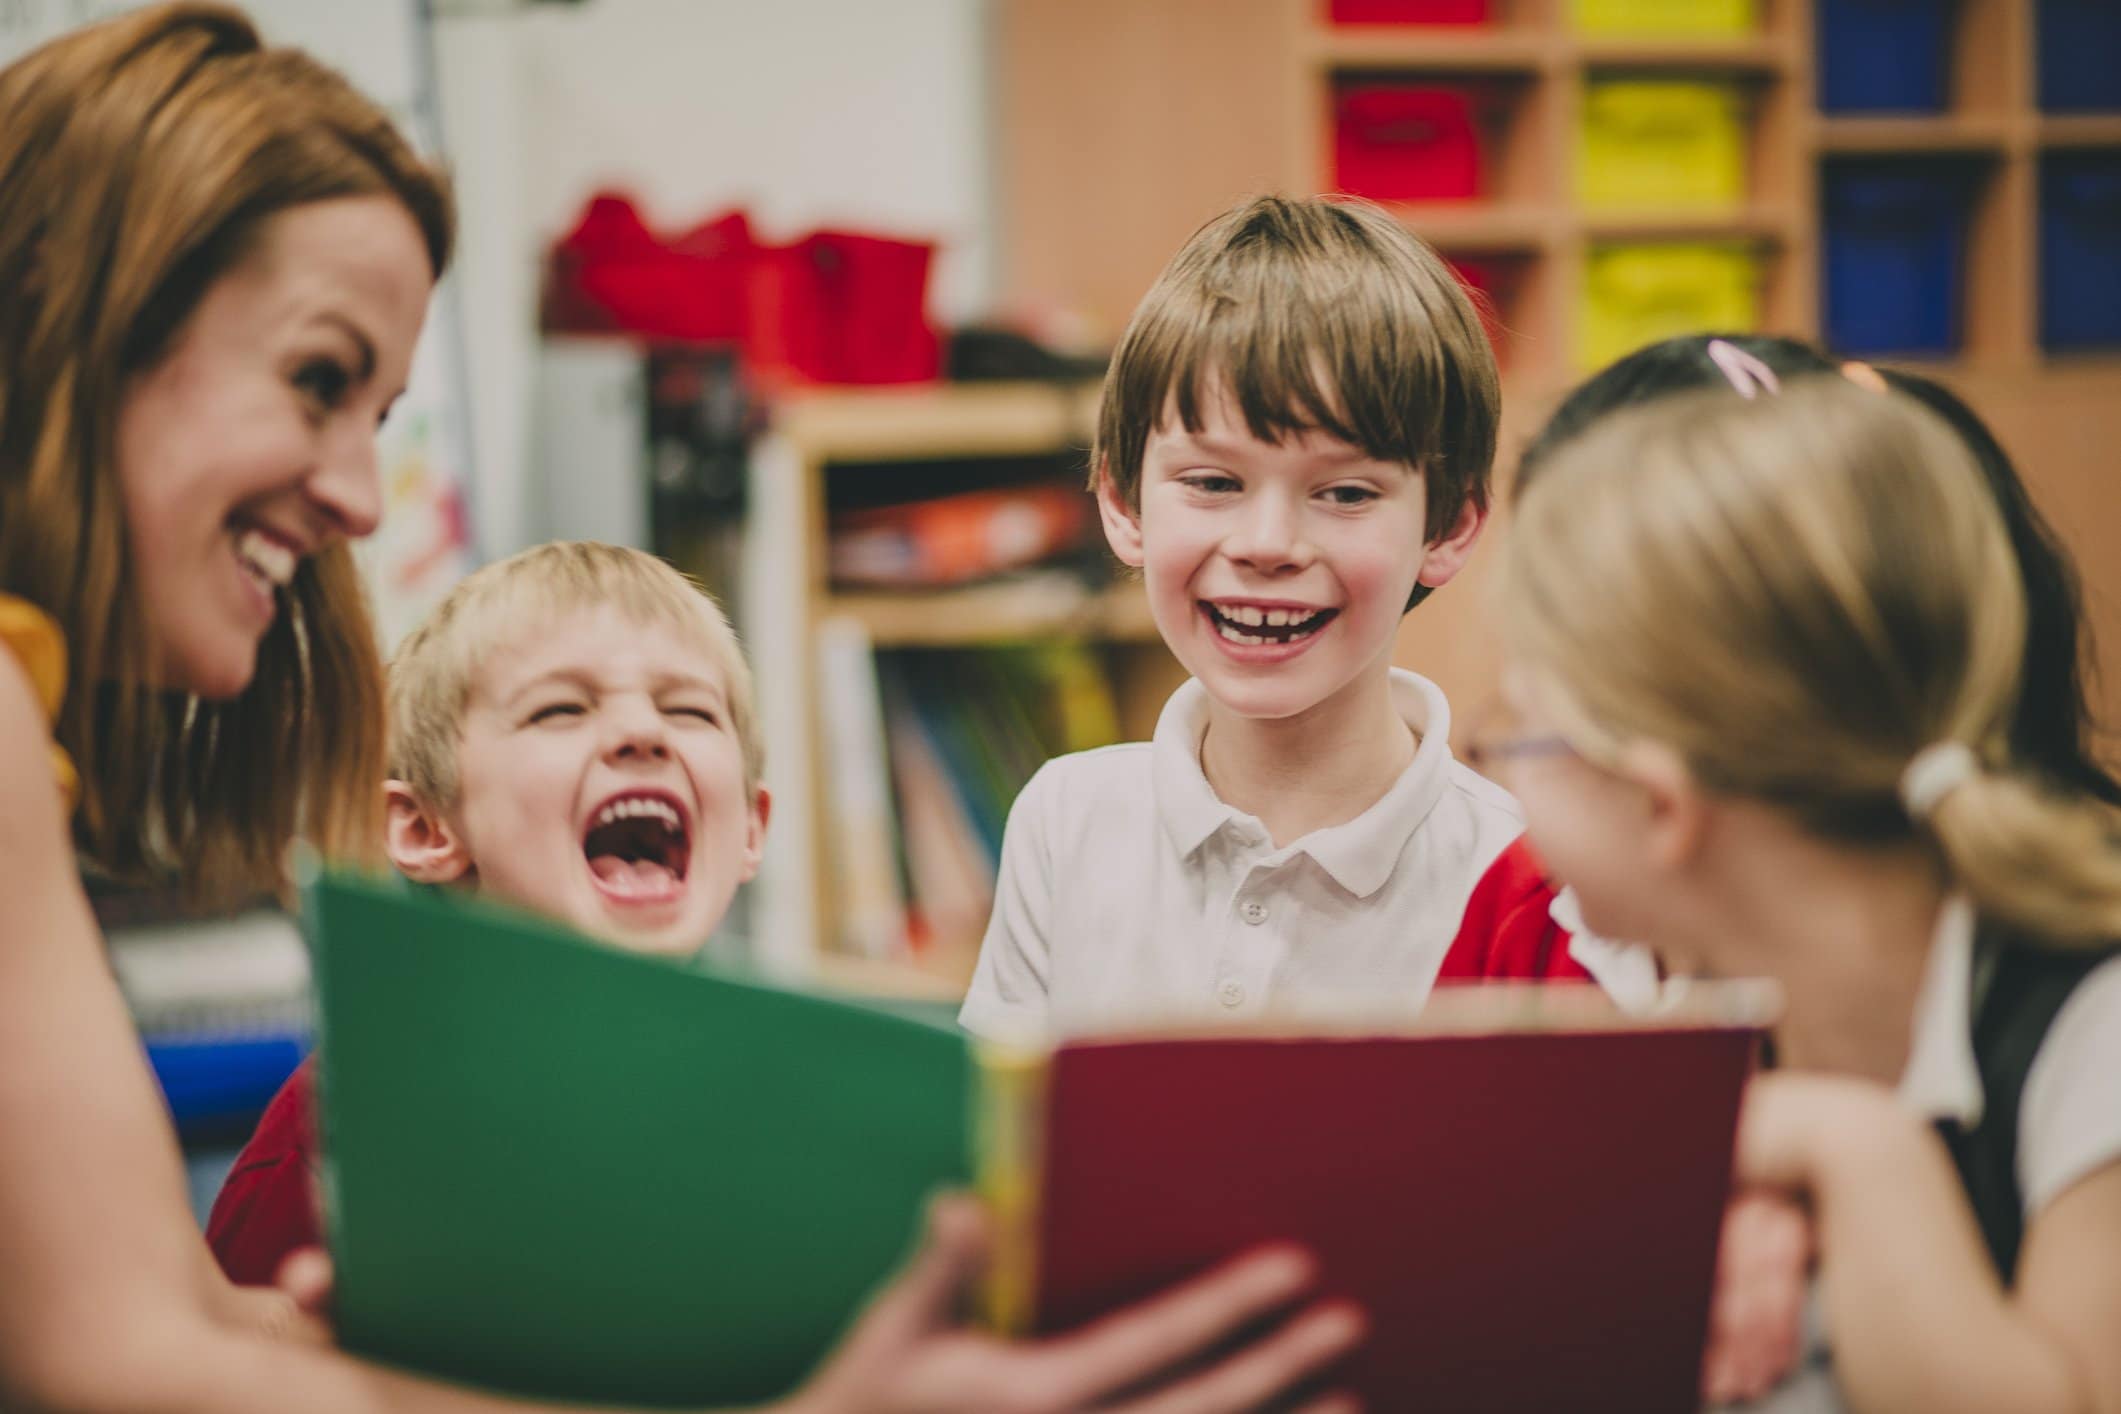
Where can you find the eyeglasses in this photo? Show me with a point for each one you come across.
(1495, 738)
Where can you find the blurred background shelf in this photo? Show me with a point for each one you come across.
(1762, 55)
(1057, 605)
(2080, 129)
(1982, 133)
(937, 420)
(1432, 49)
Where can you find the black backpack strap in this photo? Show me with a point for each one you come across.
(2018, 988)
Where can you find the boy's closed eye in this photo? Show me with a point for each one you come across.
(698, 712)
(555, 712)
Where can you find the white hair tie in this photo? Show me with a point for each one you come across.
(1936, 771)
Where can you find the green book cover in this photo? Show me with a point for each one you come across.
(559, 1169)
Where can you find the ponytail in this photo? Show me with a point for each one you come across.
(2043, 862)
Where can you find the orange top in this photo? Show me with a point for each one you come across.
(29, 633)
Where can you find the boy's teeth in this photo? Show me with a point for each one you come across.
(627, 809)
(1277, 617)
(267, 559)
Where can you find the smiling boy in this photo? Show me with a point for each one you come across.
(572, 732)
(1293, 449)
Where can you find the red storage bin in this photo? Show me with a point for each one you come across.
(1408, 12)
(834, 307)
(1408, 142)
(838, 307)
(611, 273)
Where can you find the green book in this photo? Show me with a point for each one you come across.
(557, 1169)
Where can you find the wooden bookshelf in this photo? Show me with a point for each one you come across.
(876, 433)
(1009, 611)
(1766, 56)
(1443, 50)
(1172, 110)
(1986, 134)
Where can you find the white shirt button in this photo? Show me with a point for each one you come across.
(1231, 993)
(1252, 911)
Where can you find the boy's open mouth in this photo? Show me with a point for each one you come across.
(1246, 624)
(639, 845)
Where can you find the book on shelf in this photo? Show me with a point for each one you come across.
(559, 1169)
(958, 539)
(864, 854)
(966, 729)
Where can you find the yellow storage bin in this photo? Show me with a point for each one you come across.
(1659, 144)
(1660, 17)
(1637, 294)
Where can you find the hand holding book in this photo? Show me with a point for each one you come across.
(911, 1353)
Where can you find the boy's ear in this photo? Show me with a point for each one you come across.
(1443, 557)
(755, 835)
(1678, 811)
(422, 845)
(1123, 528)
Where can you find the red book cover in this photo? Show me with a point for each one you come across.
(1529, 1218)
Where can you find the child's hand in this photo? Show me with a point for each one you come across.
(909, 1354)
(296, 1307)
(308, 1279)
(1792, 1123)
(1756, 1315)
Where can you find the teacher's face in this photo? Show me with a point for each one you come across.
(251, 444)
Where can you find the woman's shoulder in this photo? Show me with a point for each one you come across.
(32, 639)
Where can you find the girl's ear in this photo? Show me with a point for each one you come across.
(422, 845)
(1123, 527)
(1678, 809)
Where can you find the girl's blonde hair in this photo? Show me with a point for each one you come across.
(140, 159)
(1798, 595)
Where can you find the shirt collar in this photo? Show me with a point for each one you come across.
(1359, 854)
(1942, 1079)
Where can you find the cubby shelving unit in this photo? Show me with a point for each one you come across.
(1123, 124)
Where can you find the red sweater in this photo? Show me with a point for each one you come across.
(267, 1205)
(267, 1208)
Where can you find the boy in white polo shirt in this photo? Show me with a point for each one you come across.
(1294, 449)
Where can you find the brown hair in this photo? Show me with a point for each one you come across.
(140, 159)
(432, 673)
(1846, 598)
(1320, 313)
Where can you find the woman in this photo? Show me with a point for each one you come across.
(218, 258)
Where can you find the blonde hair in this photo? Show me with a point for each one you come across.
(139, 161)
(1320, 313)
(1799, 595)
(433, 672)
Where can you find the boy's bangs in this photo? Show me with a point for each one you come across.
(1311, 369)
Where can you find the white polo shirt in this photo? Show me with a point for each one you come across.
(1129, 892)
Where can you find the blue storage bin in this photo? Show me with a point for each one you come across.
(2080, 55)
(216, 1082)
(1884, 56)
(2080, 250)
(1895, 252)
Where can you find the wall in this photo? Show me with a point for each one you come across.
(807, 112)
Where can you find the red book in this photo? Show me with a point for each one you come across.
(1528, 1212)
